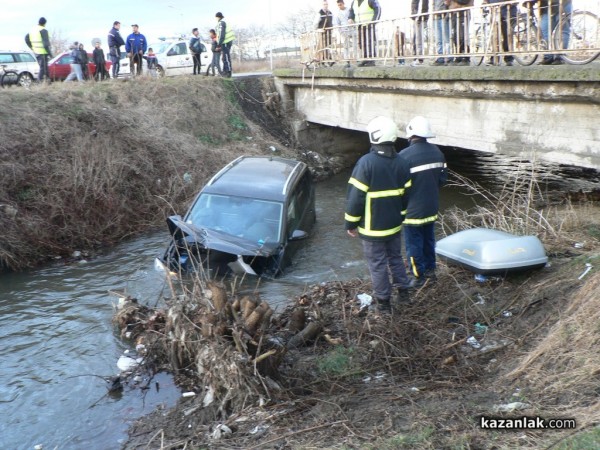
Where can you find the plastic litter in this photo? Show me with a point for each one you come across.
(473, 342)
(481, 300)
(365, 300)
(578, 245)
(480, 329)
(188, 394)
(511, 407)
(588, 267)
(480, 278)
(220, 431)
(507, 314)
(127, 363)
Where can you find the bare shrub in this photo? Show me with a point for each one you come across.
(519, 207)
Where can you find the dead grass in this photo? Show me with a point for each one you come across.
(87, 165)
(521, 207)
(563, 368)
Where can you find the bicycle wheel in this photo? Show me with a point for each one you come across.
(584, 38)
(9, 78)
(526, 41)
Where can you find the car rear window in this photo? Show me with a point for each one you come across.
(24, 57)
(6, 58)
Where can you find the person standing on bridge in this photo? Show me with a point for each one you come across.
(551, 16)
(225, 37)
(508, 18)
(428, 173)
(324, 24)
(364, 12)
(374, 204)
(460, 29)
(420, 27)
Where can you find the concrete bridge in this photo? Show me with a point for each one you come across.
(549, 113)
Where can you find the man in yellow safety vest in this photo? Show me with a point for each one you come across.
(39, 42)
(225, 39)
(366, 12)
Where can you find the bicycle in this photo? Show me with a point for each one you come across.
(11, 77)
(584, 37)
(8, 77)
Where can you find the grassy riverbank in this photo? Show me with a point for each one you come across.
(83, 166)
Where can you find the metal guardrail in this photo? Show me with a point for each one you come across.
(497, 33)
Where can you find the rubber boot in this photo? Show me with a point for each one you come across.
(383, 305)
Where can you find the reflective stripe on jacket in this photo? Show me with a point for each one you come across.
(428, 172)
(375, 192)
(37, 42)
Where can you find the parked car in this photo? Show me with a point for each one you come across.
(174, 58)
(22, 62)
(251, 217)
(59, 67)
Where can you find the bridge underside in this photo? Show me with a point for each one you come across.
(535, 113)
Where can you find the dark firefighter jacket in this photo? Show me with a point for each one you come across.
(428, 173)
(375, 192)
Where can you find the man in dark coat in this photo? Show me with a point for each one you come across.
(374, 205)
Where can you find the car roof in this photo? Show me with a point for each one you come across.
(261, 177)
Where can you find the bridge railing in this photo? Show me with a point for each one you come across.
(490, 33)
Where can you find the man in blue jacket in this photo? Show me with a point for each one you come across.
(428, 172)
(135, 46)
(374, 205)
(115, 41)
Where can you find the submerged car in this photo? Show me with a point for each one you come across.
(251, 217)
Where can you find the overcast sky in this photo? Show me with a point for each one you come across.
(82, 20)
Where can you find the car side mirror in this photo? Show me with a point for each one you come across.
(298, 235)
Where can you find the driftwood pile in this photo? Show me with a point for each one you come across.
(227, 350)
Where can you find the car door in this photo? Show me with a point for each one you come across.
(300, 215)
(30, 63)
(178, 59)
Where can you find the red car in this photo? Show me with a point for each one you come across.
(59, 67)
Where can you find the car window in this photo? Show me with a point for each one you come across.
(249, 218)
(160, 47)
(65, 59)
(24, 57)
(299, 202)
(6, 58)
(181, 48)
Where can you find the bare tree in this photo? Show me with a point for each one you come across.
(295, 25)
(58, 43)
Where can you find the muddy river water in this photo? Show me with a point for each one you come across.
(57, 340)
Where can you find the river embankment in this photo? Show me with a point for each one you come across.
(83, 166)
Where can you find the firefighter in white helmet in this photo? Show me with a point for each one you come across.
(374, 205)
(428, 173)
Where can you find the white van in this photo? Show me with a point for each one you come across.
(22, 62)
(174, 58)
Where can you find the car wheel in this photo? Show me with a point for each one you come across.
(25, 79)
(160, 71)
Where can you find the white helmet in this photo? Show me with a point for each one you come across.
(419, 126)
(382, 129)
